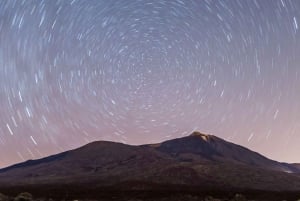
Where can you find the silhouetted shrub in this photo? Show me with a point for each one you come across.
(239, 197)
(24, 197)
(210, 198)
(3, 197)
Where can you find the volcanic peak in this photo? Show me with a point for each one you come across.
(205, 137)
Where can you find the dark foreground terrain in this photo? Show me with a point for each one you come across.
(110, 195)
(194, 167)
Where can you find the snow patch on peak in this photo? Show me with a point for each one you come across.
(205, 137)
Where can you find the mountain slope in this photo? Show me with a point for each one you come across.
(97, 159)
(212, 148)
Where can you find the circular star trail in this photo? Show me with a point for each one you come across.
(144, 71)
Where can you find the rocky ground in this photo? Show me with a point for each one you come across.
(237, 197)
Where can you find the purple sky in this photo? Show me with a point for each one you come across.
(146, 71)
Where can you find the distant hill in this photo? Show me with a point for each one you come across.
(297, 165)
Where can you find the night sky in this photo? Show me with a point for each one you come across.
(144, 71)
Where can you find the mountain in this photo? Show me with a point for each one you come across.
(194, 162)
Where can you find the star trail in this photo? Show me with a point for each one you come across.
(143, 71)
